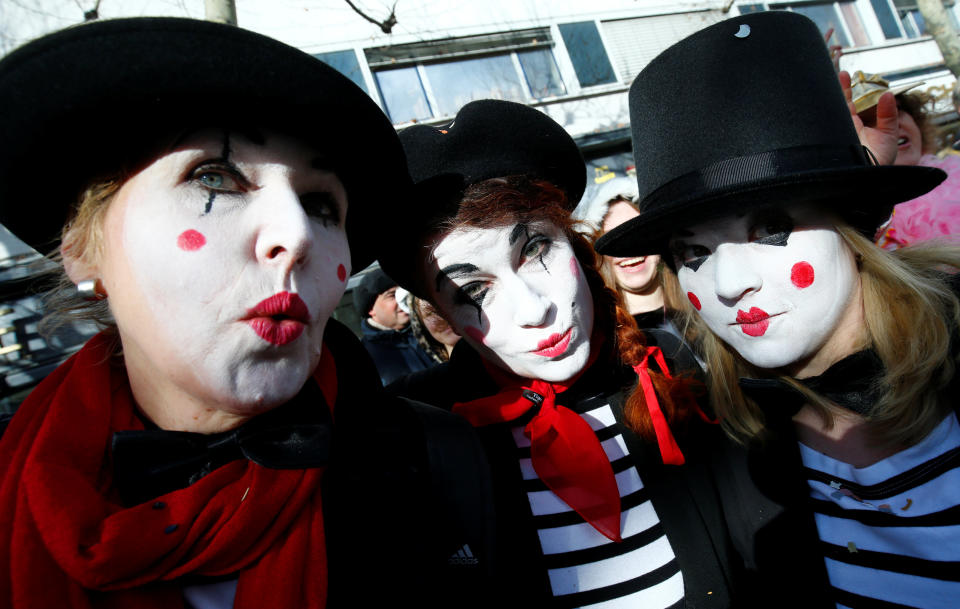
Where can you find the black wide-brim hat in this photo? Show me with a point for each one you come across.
(746, 113)
(92, 100)
(487, 139)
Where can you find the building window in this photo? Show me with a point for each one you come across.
(346, 63)
(843, 17)
(403, 96)
(848, 30)
(435, 79)
(914, 25)
(587, 54)
(888, 22)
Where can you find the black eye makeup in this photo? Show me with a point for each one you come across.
(536, 247)
(771, 227)
(322, 206)
(219, 176)
(691, 256)
(472, 294)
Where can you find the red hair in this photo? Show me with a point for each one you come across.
(500, 202)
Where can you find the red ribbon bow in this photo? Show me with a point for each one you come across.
(669, 450)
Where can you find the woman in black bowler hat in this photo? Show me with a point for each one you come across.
(832, 362)
(597, 453)
(222, 442)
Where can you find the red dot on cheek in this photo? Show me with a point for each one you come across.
(574, 267)
(801, 275)
(475, 334)
(694, 300)
(191, 240)
(341, 272)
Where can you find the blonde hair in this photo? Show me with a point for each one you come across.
(82, 238)
(910, 314)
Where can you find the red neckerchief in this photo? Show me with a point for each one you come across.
(66, 541)
(564, 450)
(669, 450)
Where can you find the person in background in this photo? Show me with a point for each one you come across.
(433, 332)
(385, 331)
(648, 287)
(222, 443)
(936, 214)
(599, 455)
(832, 362)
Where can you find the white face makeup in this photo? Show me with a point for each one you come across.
(518, 295)
(223, 261)
(636, 274)
(779, 286)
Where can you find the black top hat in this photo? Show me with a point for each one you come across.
(746, 113)
(487, 139)
(94, 99)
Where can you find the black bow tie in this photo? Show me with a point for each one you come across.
(152, 462)
(850, 383)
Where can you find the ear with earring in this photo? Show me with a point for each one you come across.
(91, 289)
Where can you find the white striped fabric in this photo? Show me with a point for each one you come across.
(890, 532)
(585, 568)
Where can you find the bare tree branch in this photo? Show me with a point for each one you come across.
(386, 26)
(89, 15)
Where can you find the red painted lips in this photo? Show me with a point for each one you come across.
(279, 319)
(555, 345)
(753, 322)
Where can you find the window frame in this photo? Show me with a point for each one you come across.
(418, 55)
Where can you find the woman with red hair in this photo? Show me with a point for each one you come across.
(598, 453)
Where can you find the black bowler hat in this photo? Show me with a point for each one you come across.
(94, 99)
(747, 113)
(487, 139)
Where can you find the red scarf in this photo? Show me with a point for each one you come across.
(66, 541)
(564, 450)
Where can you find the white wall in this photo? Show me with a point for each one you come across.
(322, 25)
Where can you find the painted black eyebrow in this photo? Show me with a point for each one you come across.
(448, 272)
(518, 230)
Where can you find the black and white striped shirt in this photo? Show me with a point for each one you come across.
(584, 567)
(890, 532)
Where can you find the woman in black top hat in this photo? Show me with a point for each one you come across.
(594, 502)
(832, 362)
(223, 442)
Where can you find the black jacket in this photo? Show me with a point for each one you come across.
(684, 497)
(408, 487)
(765, 494)
(395, 353)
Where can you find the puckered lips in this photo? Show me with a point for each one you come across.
(279, 319)
(555, 345)
(753, 322)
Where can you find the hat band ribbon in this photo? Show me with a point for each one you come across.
(783, 163)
